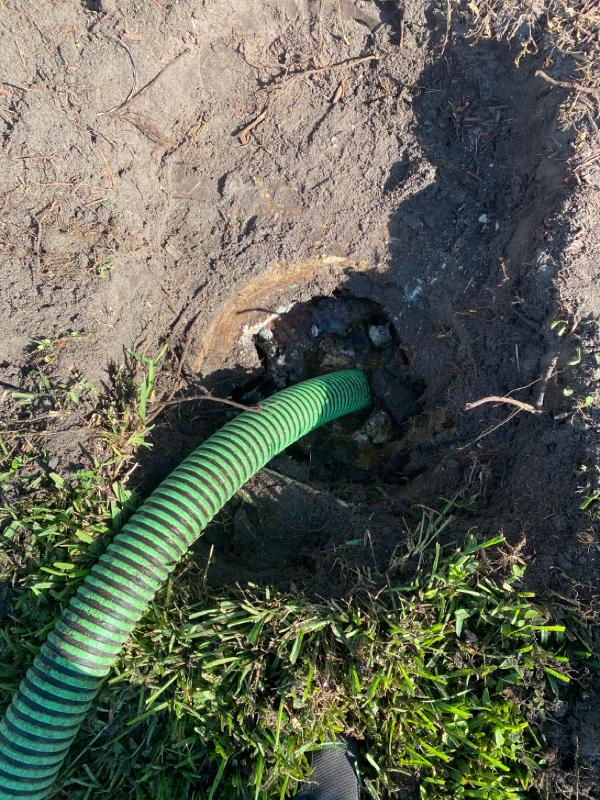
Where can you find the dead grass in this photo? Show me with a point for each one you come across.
(565, 34)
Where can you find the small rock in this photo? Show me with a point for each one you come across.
(380, 335)
(377, 429)
(314, 331)
(107, 6)
(484, 219)
(266, 334)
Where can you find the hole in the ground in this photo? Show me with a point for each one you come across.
(336, 332)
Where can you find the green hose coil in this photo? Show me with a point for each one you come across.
(45, 713)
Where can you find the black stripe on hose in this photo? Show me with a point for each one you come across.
(96, 574)
(182, 471)
(43, 780)
(163, 518)
(170, 560)
(173, 517)
(112, 568)
(62, 687)
(116, 613)
(100, 632)
(189, 519)
(311, 401)
(261, 426)
(32, 736)
(276, 420)
(189, 492)
(193, 509)
(281, 422)
(270, 438)
(58, 667)
(112, 603)
(163, 530)
(98, 638)
(204, 462)
(301, 418)
(75, 659)
(235, 465)
(21, 716)
(308, 402)
(251, 442)
(15, 747)
(40, 709)
(197, 487)
(21, 793)
(41, 692)
(290, 423)
(224, 442)
(117, 552)
(139, 553)
(77, 616)
(22, 764)
(343, 393)
(264, 433)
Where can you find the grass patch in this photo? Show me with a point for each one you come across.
(443, 673)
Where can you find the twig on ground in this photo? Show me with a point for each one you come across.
(493, 398)
(134, 95)
(284, 81)
(134, 81)
(348, 63)
(539, 403)
(244, 134)
(491, 430)
(206, 395)
(338, 94)
(448, 23)
(578, 87)
(305, 486)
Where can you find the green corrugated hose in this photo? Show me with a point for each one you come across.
(57, 691)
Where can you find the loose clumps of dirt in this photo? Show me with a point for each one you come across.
(279, 189)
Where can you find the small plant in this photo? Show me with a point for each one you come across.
(47, 349)
(123, 416)
(104, 268)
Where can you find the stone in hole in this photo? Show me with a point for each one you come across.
(326, 334)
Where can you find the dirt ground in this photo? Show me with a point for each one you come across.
(235, 178)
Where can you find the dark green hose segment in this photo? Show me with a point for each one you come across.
(57, 691)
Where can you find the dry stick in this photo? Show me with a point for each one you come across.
(349, 63)
(545, 381)
(206, 395)
(134, 96)
(448, 23)
(244, 134)
(305, 486)
(567, 84)
(493, 398)
(133, 85)
(180, 365)
(490, 430)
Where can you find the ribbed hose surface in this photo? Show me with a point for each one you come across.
(57, 691)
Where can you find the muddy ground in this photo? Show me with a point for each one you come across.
(278, 188)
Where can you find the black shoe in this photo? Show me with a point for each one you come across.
(334, 777)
